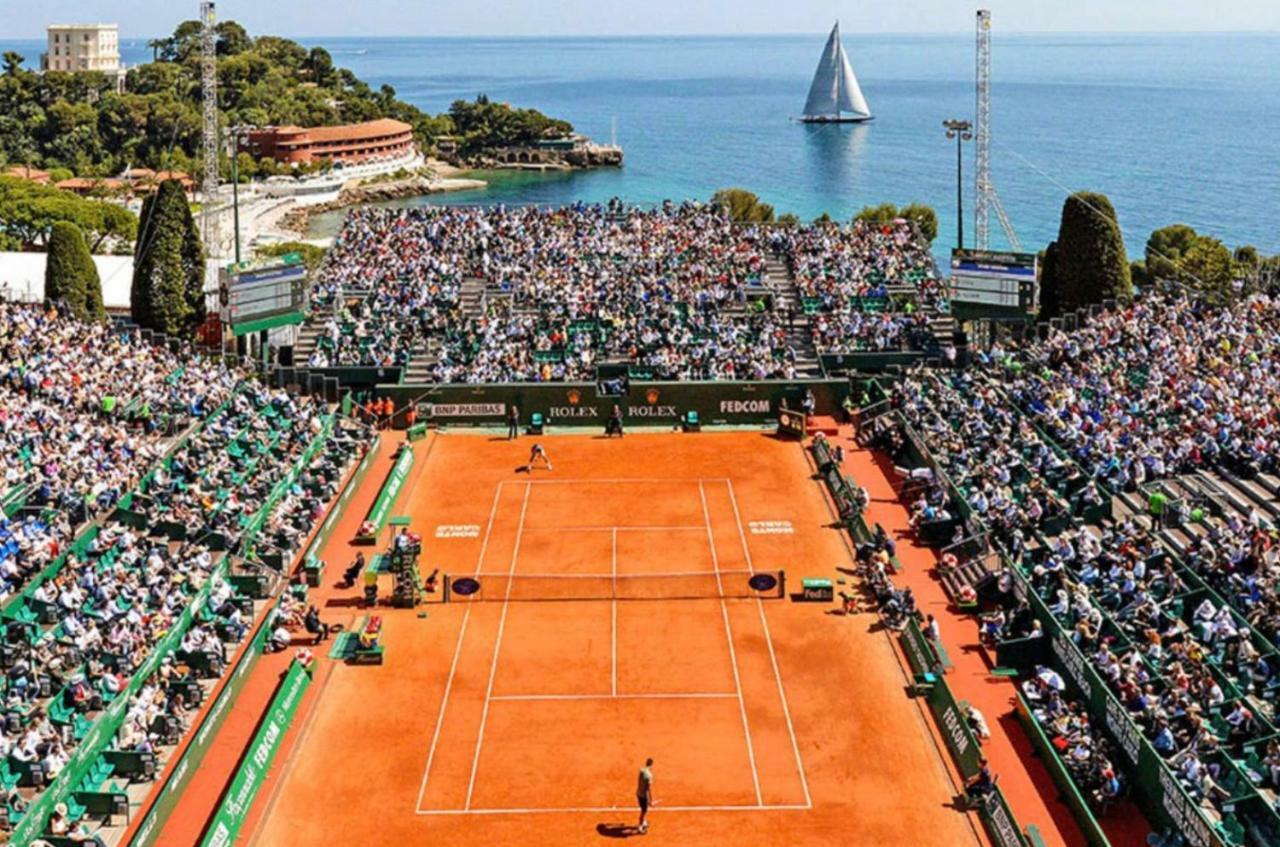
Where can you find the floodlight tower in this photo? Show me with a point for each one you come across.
(209, 213)
(986, 200)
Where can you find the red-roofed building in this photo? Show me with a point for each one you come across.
(381, 139)
(85, 186)
(29, 173)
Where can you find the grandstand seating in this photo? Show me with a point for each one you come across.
(1148, 591)
(528, 294)
(112, 634)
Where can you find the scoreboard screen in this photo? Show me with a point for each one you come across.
(1000, 284)
(252, 291)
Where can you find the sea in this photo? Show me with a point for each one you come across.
(1173, 128)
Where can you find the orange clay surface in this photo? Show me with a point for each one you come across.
(507, 721)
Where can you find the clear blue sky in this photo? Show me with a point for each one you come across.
(142, 18)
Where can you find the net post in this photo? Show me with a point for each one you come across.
(447, 583)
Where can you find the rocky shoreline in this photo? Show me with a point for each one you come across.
(298, 219)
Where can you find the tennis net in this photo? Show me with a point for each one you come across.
(648, 586)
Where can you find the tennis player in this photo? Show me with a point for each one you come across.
(534, 455)
(644, 794)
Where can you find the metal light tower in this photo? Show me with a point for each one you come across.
(961, 131)
(986, 200)
(209, 130)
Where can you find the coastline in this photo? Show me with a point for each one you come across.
(444, 178)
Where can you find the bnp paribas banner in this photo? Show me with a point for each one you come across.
(244, 788)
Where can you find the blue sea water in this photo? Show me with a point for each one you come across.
(1171, 127)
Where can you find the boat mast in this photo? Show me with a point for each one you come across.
(839, 67)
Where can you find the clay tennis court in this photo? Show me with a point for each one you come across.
(614, 620)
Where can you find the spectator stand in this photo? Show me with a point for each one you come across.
(76, 781)
(1082, 803)
(1162, 793)
(929, 661)
(180, 770)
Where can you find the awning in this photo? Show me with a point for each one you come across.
(264, 324)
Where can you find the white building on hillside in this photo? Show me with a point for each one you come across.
(84, 47)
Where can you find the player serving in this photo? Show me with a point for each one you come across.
(537, 454)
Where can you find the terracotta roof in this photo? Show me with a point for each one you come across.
(90, 182)
(25, 172)
(348, 132)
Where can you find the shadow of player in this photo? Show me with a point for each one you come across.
(616, 830)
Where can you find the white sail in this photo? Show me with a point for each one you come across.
(851, 99)
(834, 88)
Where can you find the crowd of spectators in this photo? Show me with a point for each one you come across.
(84, 410)
(1028, 449)
(87, 413)
(677, 292)
(1159, 387)
(1084, 748)
(849, 279)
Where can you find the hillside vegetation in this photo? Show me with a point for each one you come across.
(77, 121)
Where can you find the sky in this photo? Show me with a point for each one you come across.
(143, 18)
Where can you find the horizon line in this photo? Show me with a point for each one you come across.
(771, 34)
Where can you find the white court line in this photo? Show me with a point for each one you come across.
(611, 809)
(493, 513)
(733, 656)
(678, 695)
(613, 630)
(682, 528)
(457, 651)
(773, 657)
(497, 645)
(633, 480)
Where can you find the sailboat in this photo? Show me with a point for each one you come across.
(835, 96)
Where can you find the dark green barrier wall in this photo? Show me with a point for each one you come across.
(867, 362)
(955, 729)
(646, 403)
(235, 806)
(177, 782)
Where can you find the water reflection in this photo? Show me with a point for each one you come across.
(835, 158)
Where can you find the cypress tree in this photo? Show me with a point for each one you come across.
(168, 272)
(65, 277)
(94, 308)
(1087, 264)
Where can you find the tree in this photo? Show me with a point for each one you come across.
(320, 66)
(1087, 263)
(1207, 267)
(65, 281)
(789, 220)
(311, 255)
(168, 275)
(742, 206)
(232, 38)
(12, 62)
(924, 217)
(28, 211)
(1165, 249)
(1179, 254)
